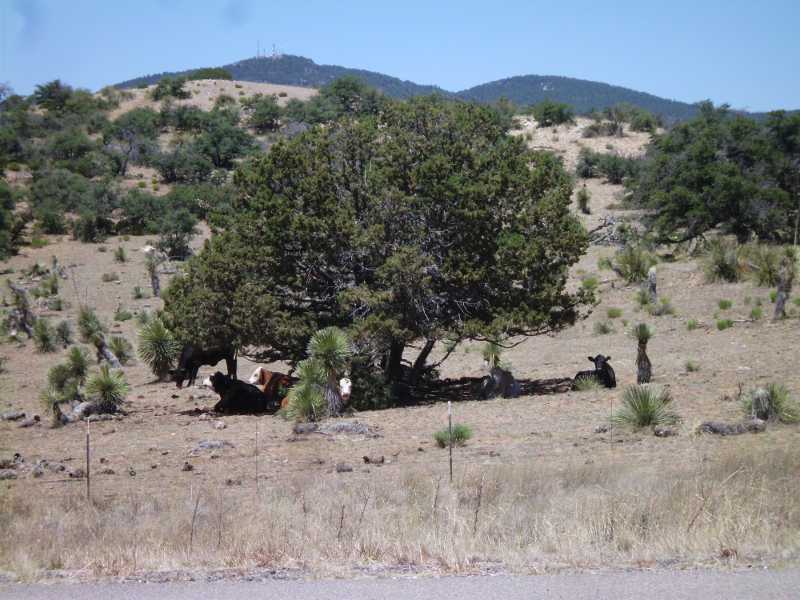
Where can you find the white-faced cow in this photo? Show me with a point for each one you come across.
(602, 372)
(192, 357)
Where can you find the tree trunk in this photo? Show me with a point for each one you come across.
(393, 371)
(22, 313)
(155, 283)
(419, 364)
(785, 281)
(644, 369)
(106, 353)
(332, 397)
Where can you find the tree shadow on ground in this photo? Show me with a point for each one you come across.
(469, 388)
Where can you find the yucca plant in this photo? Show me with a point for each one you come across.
(587, 384)
(764, 262)
(78, 363)
(331, 349)
(306, 400)
(158, 348)
(89, 324)
(644, 406)
(632, 263)
(58, 376)
(119, 255)
(644, 368)
(121, 348)
(108, 387)
(64, 333)
(492, 352)
(771, 403)
(44, 336)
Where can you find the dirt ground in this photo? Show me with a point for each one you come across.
(147, 449)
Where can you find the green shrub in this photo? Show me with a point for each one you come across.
(773, 295)
(771, 403)
(723, 261)
(604, 264)
(663, 307)
(756, 313)
(102, 249)
(55, 304)
(583, 196)
(692, 366)
(122, 315)
(78, 363)
(548, 113)
(143, 318)
(589, 283)
(725, 304)
(614, 313)
(58, 376)
(37, 242)
(119, 255)
(121, 348)
(461, 433)
(764, 262)
(644, 406)
(305, 401)
(138, 294)
(108, 387)
(603, 328)
(723, 324)
(632, 263)
(44, 337)
(692, 324)
(158, 348)
(642, 333)
(109, 277)
(64, 333)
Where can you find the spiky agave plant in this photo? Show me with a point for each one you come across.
(306, 401)
(492, 352)
(644, 368)
(44, 336)
(644, 406)
(78, 363)
(121, 348)
(331, 349)
(108, 387)
(158, 348)
(89, 324)
(772, 403)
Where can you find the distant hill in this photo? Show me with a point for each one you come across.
(297, 70)
(524, 90)
(582, 95)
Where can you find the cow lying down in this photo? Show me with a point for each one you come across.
(239, 397)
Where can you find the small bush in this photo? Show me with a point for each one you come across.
(725, 304)
(614, 313)
(78, 363)
(641, 298)
(89, 325)
(102, 249)
(692, 324)
(461, 433)
(604, 264)
(756, 313)
(723, 324)
(143, 318)
(119, 255)
(305, 401)
(589, 283)
(583, 196)
(764, 262)
(723, 261)
(642, 333)
(64, 333)
(121, 348)
(109, 277)
(138, 294)
(664, 307)
(773, 295)
(108, 387)
(632, 263)
(644, 406)
(38, 242)
(122, 315)
(603, 328)
(692, 366)
(772, 403)
(58, 376)
(44, 337)
(55, 304)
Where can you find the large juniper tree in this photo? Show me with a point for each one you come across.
(422, 221)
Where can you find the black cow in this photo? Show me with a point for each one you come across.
(239, 397)
(192, 357)
(499, 381)
(602, 372)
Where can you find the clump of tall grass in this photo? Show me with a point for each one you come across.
(587, 384)
(633, 262)
(44, 336)
(724, 261)
(603, 328)
(461, 434)
(644, 406)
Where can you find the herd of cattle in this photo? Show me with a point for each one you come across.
(265, 391)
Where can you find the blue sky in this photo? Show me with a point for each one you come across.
(745, 53)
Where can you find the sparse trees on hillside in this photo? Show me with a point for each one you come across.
(548, 113)
(423, 221)
(131, 137)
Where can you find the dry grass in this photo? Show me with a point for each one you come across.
(529, 517)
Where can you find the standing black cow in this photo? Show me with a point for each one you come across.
(192, 357)
(239, 397)
(602, 372)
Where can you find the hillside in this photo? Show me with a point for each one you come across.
(300, 71)
(582, 95)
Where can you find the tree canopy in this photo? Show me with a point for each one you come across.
(423, 221)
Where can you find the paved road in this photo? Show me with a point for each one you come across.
(672, 585)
